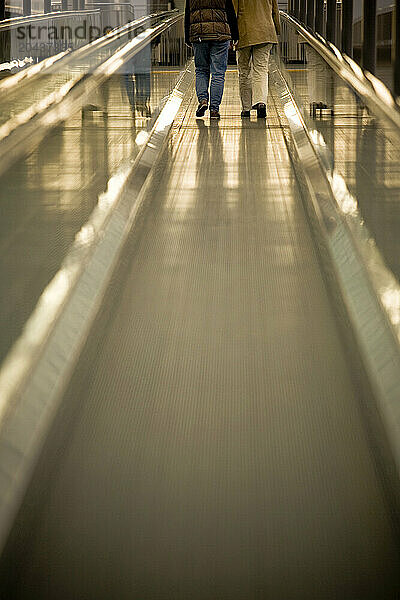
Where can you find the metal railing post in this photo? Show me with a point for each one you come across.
(303, 10)
(369, 44)
(82, 4)
(64, 5)
(75, 4)
(27, 7)
(347, 27)
(331, 20)
(396, 66)
(296, 8)
(319, 16)
(311, 13)
(46, 6)
(2, 10)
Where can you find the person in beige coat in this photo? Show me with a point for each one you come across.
(259, 26)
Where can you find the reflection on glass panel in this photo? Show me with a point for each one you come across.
(47, 197)
(363, 149)
(385, 38)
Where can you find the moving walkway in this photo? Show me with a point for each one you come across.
(196, 408)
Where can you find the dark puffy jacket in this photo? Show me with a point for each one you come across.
(210, 20)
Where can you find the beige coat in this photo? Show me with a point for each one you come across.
(258, 22)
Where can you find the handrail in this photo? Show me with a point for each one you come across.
(356, 270)
(26, 130)
(53, 62)
(371, 90)
(18, 21)
(67, 305)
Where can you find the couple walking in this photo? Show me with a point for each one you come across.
(210, 27)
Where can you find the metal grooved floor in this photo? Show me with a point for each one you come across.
(219, 451)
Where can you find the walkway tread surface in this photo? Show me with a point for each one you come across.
(218, 452)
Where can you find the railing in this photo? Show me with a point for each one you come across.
(17, 8)
(98, 240)
(352, 136)
(377, 28)
(26, 40)
(59, 64)
(28, 98)
(372, 92)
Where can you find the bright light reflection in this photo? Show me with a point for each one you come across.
(141, 138)
(336, 52)
(40, 107)
(17, 63)
(381, 89)
(232, 179)
(85, 236)
(169, 112)
(292, 114)
(114, 188)
(356, 68)
(391, 300)
(48, 305)
(347, 203)
(317, 138)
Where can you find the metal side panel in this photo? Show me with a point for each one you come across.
(217, 450)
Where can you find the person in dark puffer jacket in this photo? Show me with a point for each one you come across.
(209, 27)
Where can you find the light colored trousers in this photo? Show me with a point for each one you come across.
(253, 63)
(317, 77)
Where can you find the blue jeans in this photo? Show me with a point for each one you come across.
(210, 58)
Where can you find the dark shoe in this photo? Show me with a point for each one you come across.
(214, 114)
(147, 110)
(261, 110)
(201, 109)
(315, 106)
(245, 114)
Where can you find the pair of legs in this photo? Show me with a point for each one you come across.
(139, 91)
(253, 63)
(319, 79)
(210, 60)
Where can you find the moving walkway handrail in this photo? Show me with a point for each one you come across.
(23, 132)
(47, 334)
(369, 88)
(350, 252)
(52, 63)
(19, 21)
